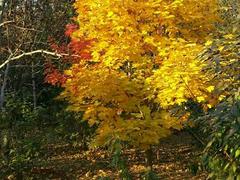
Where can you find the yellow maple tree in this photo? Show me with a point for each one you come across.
(143, 61)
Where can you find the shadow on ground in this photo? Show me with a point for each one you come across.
(175, 158)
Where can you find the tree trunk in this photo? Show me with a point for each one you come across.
(149, 158)
(2, 6)
(34, 88)
(4, 84)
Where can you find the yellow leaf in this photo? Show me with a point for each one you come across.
(208, 43)
(110, 14)
(210, 88)
(209, 105)
(220, 48)
(229, 36)
(221, 97)
(200, 99)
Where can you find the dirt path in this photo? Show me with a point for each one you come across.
(175, 159)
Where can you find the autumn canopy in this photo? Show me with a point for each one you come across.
(137, 60)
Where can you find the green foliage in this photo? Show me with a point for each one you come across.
(70, 127)
(25, 133)
(150, 175)
(222, 153)
(118, 161)
(193, 167)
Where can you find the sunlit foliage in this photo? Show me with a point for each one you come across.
(141, 61)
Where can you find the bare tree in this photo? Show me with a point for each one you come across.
(25, 27)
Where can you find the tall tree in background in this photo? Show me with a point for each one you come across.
(26, 27)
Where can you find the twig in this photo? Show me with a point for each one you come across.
(196, 137)
(26, 29)
(185, 83)
(224, 153)
(6, 22)
(36, 52)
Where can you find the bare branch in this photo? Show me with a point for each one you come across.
(6, 22)
(36, 52)
(26, 29)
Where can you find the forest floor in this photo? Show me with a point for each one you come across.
(176, 159)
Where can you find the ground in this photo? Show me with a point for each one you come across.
(176, 158)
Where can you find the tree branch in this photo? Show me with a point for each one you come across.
(25, 29)
(6, 22)
(36, 52)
